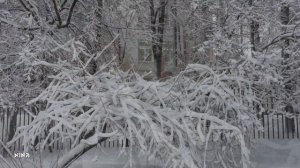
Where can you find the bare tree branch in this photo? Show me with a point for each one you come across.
(30, 11)
(57, 12)
(69, 15)
(280, 38)
(62, 5)
(24, 5)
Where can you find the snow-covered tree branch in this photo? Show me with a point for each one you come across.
(175, 120)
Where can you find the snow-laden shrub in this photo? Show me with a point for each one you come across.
(194, 119)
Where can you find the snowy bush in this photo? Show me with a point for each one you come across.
(191, 120)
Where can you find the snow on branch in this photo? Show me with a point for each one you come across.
(176, 121)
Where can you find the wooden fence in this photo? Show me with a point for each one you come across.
(278, 126)
(23, 118)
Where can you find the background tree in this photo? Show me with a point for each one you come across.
(158, 15)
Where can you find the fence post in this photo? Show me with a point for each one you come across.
(277, 126)
(268, 125)
(282, 118)
(263, 122)
(253, 130)
(273, 127)
(297, 126)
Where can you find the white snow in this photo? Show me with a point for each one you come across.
(281, 153)
(158, 118)
(277, 153)
(104, 158)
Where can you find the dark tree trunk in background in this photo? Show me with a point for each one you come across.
(254, 35)
(176, 35)
(99, 21)
(98, 45)
(285, 17)
(254, 32)
(158, 33)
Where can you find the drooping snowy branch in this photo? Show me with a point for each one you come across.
(175, 120)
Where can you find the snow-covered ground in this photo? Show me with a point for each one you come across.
(111, 158)
(277, 153)
(266, 154)
(95, 158)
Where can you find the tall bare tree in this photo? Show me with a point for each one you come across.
(158, 15)
(254, 31)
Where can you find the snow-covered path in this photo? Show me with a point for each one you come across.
(277, 154)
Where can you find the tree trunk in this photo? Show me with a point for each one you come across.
(98, 45)
(99, 20)
(158, 33)
(176, 36)
(78, 151)
(285, 16)
(254, 32)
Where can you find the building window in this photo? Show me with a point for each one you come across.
(167, 51)
(145, 51)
